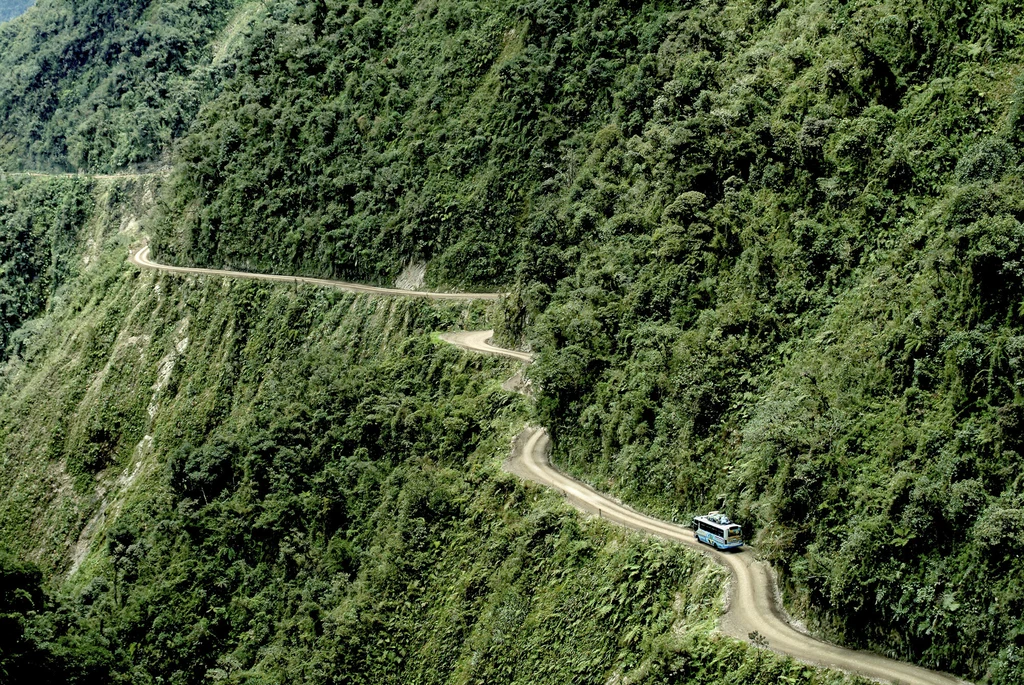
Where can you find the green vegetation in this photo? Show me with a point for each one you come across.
(277, 484)
(769, 256)
(100, 85)
(819, 328)
(38, 225)
(42, 642)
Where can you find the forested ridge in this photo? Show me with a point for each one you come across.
(768, 255)
(97, 85)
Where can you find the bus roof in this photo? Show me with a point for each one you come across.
(717, 518)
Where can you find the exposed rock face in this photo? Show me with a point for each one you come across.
(412, 276)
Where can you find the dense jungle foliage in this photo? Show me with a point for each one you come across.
(98, 85)
(39, 222)
(769, 254)
(269, 484)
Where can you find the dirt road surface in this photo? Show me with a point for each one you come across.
(142, 260)
(480, 341)
(753, 604)
(165, 171)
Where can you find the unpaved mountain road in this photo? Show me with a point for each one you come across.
(74, 174)
(141, 259)
(752, 597)
(480, 341)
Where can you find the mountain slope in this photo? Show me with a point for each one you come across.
(768, 255)
(245, 482)
(101, 85)
(707, 216)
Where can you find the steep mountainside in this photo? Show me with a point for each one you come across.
(254, 483)
(100, 84)
(39, 223)
(769, 255)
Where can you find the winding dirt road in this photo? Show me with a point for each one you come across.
(141, 259)
(752, 598)
(74, 174)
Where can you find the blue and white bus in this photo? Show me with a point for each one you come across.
(717, 530)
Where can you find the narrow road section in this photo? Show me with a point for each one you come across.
(142, 260)
(164, 171)
(480, 341)
(753, 605)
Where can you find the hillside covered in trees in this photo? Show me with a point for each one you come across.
(769, 257)
(211, 480)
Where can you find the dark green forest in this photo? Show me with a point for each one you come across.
(98, 85)
(40, 224)
(769, 256)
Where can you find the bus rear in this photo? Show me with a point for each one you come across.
(717, 530)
